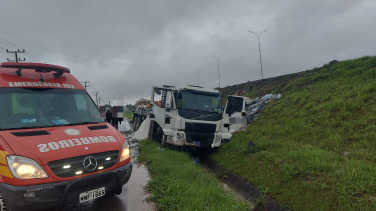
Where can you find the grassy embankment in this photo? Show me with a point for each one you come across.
(316, 146)
(179, 184)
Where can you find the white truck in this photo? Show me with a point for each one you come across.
(187, 116)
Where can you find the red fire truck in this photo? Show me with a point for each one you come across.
(54, 146)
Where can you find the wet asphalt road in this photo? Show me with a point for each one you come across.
(131, 199)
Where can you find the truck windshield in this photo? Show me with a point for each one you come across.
(35, 108)
(200, 101)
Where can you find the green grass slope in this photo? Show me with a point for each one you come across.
(179, 184)
(316, 146)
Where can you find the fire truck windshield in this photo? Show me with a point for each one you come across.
(200, 101)
(36, 108)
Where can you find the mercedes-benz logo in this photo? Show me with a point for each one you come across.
(90, 163)
(72, 132)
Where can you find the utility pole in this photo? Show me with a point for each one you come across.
(258, 37)
(185, 79)
(99, 99)
(219, 76)
(85, 82)
(96, 97)
(229, 82)
(16, 55)
(198, 77)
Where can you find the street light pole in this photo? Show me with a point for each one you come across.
(198, 77)
(258, 37)
(219, 76)
(185, 79)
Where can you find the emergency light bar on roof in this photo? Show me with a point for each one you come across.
(39, 67)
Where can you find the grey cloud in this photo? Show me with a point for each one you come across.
(120, 46)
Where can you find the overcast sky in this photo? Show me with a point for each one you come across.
(122, 47)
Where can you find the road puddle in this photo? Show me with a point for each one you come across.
(136, 194)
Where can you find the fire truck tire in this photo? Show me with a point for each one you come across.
(2, 205)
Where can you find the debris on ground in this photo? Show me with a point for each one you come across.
(143, 131)
(253, 107)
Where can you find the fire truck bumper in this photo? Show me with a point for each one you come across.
(57, 194)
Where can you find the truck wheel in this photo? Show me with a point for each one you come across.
(2, 205)
(163, 141)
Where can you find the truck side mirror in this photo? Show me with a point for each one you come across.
(168, 107)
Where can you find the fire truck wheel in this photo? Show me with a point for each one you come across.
(2, 205)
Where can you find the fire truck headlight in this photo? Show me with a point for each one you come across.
(25, 168)
(124, 152)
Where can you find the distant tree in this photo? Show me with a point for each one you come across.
(108, 107)
(129, 107)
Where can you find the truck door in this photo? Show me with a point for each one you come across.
(234, 114)
(163, 109)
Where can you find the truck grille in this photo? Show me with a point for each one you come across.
(70, 167)
(202, 127)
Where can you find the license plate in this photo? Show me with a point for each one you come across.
(93, 194)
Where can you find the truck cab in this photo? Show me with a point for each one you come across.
(54, 146)
(187, 116)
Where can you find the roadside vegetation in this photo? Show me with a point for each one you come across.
(128, 114)
(316, 145)
(178, 184)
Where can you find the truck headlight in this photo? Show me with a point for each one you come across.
(124, 152)
(25, 168)
(217, 138)
(180, 136)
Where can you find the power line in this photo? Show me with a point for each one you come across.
(16, 55)
(85, 82)
(26, 52)
(240, 57)
(7, 44)
(96, 97)
(232, 60)
(13, 47)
